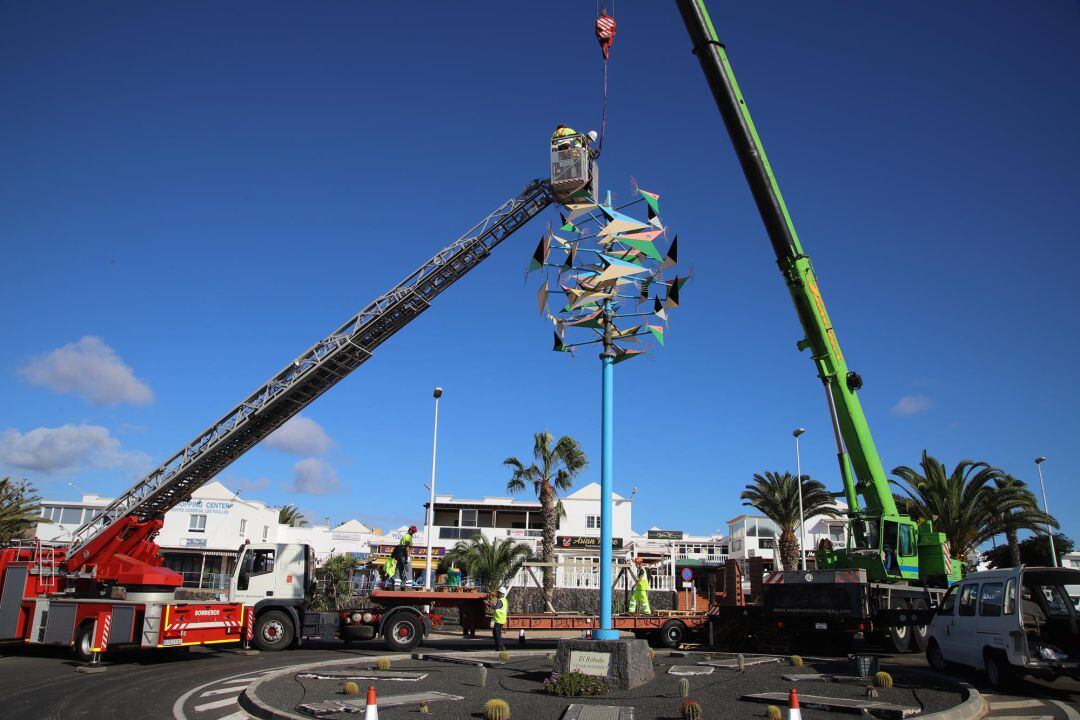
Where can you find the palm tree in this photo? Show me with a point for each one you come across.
(555, 466)
(20, 509)
(962, 503)
(1018, 509)
(291, 515)
(776, 496)
(489, 563)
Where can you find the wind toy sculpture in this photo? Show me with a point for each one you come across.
(604, 282)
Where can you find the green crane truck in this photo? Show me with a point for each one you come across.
(893, 569)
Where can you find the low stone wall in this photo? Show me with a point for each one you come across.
(531, 600)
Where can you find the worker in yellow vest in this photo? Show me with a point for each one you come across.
(403, 554)
(563, 131)
(498, 616)
(640, 596)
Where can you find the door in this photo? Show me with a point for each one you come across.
(990, 625)
(942, 625)
(963, 636)
(255, 576)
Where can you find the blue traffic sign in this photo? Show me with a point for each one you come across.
(687, 574)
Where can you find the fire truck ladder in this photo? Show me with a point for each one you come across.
(314, 372)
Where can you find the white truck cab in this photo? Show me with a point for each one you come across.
(1009, 622)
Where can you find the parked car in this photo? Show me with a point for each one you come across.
(1009, 622)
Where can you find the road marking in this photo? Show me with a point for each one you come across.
(1022, 717)
(235, 690)
(250, 676)
(238, 715)
(1069, 711)
(1014, 704)
(232, 701)
(238, 681)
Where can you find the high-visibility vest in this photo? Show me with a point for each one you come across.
(642, 584)
(406, 539)
(564, 132)
(501, 608)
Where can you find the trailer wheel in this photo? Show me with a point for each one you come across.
(920, 634)
(402, 633)
(672, 633)
(273, 631)
(897, 637)
(84, 641)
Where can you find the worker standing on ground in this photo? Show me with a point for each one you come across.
(498, 616)
(640, 596)
(403, 555)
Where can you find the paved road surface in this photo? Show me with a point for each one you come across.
(204, 684)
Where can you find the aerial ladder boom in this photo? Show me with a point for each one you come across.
(137, 513)
(861, 470)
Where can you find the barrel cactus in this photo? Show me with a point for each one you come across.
(773, 712)
(383, 663)
(796, 661)
(871, 691)
(350, 688)
(504, 656)
(883, 680)
(496, 709)
(690, 709)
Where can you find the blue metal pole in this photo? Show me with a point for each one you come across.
(607, 432)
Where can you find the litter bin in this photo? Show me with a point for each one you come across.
(863, 665)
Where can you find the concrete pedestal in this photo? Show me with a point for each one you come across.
(624, 664)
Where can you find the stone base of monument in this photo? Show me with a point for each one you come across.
(624, 664)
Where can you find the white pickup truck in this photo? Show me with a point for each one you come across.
(1009, 622)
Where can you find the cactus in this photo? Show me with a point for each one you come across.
(350, 688)
(504, 656)
(871, 691)
(424, 709)
(741, 661)
(883, 680)
(496, 710)
(481, 671)
(684, 688)
(690, 709)
(383, 663)
(796, 661)
(652, 654)
(773, 712)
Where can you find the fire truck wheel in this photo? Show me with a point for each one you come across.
(402, 633)
(84, 640)
(672, 634)
(273, 630)
(920, 634)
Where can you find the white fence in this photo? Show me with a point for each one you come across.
(586, 579)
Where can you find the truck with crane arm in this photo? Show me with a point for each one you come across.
(893, 568)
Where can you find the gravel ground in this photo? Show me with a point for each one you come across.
(518, 682)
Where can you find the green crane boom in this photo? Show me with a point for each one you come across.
(884, 542)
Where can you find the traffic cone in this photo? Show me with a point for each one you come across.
(793, 705)
(371, 709)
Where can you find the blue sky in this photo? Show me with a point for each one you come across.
(195, 192)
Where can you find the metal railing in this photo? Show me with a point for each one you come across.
(205, 581)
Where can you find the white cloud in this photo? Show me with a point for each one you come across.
(91, 369)
(912, 405)
(68, 447)
(300, 436)
(312, 476)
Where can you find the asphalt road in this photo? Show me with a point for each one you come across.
(203, 684)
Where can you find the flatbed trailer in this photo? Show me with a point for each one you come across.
(667, 628)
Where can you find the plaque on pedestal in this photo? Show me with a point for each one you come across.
(624, 664)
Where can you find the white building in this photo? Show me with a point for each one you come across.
(1071, 560)
(757, 536)
(202, 537)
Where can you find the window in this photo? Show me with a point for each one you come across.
(908, 547)
(948, 603)
(255, 562)
(196, 523)
(592, 522)
(836, 534)
(70, 516)
(968, 596)
(1057, 602)
(990, 599)
(468, 518)
(1010, 597)
(266, 532)
(243, 526)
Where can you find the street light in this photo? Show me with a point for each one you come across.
(1046, 509)
(428, 575)
(798, 481)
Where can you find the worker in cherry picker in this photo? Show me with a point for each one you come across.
(573, 137)
(402, 554)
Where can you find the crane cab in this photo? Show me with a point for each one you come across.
(573, 170)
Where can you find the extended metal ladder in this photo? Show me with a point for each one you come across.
(313, 372)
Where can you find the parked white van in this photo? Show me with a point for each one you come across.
(1009, 622)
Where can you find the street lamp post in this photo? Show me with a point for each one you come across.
(1046, 509)
(798, 480)
(607, 443)
(428, 575)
